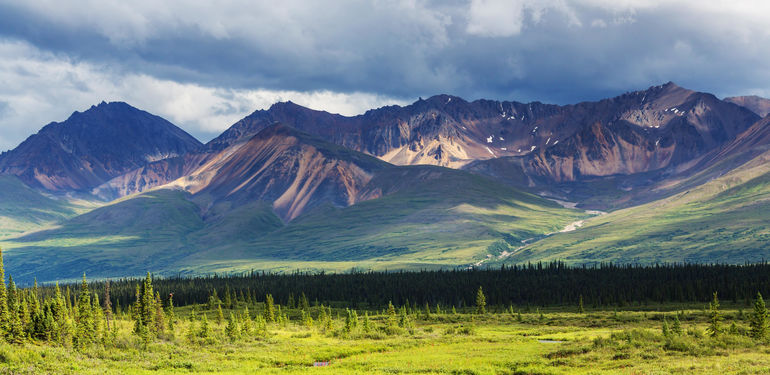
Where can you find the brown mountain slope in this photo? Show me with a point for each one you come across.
(747, 146)
(635, 132)
(146, 177)
(94, 146)
(293, 170)
(663, 127)
(756, 104)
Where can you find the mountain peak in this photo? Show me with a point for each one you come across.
(670, 84)
(287, 105)
(667, 87)
(93, 146)
(105, 110)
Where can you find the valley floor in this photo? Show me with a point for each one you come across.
(533, 342)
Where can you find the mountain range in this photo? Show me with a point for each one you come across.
(664, 174)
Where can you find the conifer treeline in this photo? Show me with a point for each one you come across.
(548, 284)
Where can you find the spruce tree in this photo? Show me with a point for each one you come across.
(160, 315)
(15, 326)
(391, 314)
(39, 327)
(307, 320)
(403, 320)
(84, 323)
(676, 328)
(304, 304)
(290, 304)
(231, 330)
(25, 312)
(107, 306)
(58, 313)
(246, 327)
(170, 316)
(205, 330)
(280, 317)
(228, 299)
(192, 333)
(98, 318)
(328, 325)
(481, 302)
(68, 299)
(322, 316)
(220, 315)
(714, 317)
(427, 311)
(47, 330)
(35, 307)
(759, 321)
(367, 326)
(147, 308)
(213, 299)
(581, 310)
(665, 330)
(269, 313)
(3, 299)
(351, 320)
(145, 311)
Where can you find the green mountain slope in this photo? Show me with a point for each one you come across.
(144, 229)
(443, 218)
(23, 209)
(722, 220)
(439, 218)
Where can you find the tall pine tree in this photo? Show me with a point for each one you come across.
(15, 326)
(170, 315)
(107, 305)
(758, 321)
(481, 302)
(3, 299)
(84, 323)
(269, 312)
(714, 317)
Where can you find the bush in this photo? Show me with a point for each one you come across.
(460, 330)
(568, 352)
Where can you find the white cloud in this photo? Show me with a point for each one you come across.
(37, 87)
(505, 18)
(599, 23)
(495, 18)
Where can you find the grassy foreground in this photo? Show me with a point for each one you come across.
(550, 341)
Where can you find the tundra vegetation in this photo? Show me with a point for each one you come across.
(467, 322)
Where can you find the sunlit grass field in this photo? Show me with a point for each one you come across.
(527, 341)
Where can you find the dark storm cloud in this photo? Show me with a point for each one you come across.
(546, 50)
(557, 51)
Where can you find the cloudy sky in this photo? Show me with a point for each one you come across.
(205, 64)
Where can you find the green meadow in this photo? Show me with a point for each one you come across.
(545, 341)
